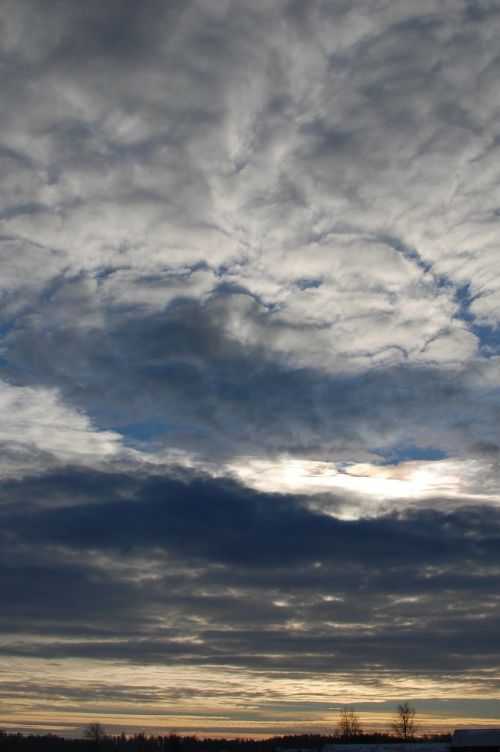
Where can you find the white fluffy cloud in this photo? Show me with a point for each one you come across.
(38, 431)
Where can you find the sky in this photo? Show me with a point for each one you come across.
(250, 364)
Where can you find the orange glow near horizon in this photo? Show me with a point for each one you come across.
(70, 724)
(218, 702)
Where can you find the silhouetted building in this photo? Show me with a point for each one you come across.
(476, 740)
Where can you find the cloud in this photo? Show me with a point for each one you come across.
(209, 572)
(39, 430)
(202, 167)
(269, 244)
(183, 377)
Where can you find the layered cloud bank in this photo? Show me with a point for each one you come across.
(250, 357)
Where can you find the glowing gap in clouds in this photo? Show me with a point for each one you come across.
(454, 478)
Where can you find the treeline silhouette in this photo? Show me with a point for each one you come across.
(175, 743)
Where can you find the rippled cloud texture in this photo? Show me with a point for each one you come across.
(250, 362)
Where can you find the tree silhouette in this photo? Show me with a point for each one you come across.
(349, 724)
(404, 724)
(95, 734)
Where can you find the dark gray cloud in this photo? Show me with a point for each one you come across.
(226, 523)
(235, 570)
(178, 377)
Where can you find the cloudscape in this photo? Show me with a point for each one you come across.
(250, 364)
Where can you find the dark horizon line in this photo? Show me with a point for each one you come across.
(171, 741)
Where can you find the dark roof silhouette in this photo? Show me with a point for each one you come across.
(484, 737)
(387, 747)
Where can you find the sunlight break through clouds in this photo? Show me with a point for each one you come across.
(250, 361)
(373, 488)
